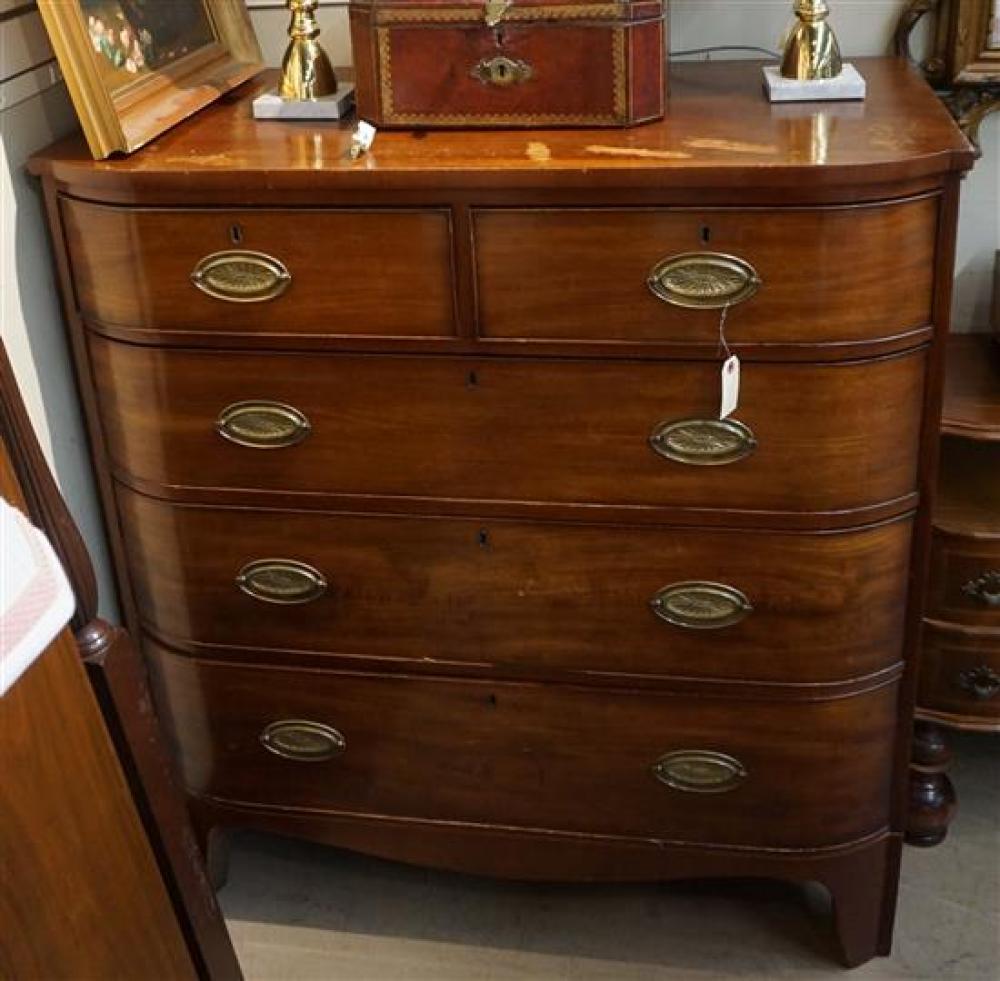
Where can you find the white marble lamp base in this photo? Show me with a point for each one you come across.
(849, 84)
(336, 106)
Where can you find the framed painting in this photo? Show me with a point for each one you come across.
(134, 68)
(965, 55)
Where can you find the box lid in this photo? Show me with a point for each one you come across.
(492, 13)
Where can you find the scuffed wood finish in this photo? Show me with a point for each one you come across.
(495, 430)
(352, 272)
(536, 756)
(581, 274)
(483, 499)
(719, 134)
(430, 594)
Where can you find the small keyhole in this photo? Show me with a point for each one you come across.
(492, 699)
(499, 37)
(706, 234)
(483, 537)
(472, 380)
(236, 234)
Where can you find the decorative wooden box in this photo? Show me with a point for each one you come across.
(434, 63)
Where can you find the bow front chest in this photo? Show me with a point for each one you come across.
(420, 499)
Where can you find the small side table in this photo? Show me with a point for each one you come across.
(959, 686)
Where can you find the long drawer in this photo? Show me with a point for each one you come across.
(826, 275)
(537, 596)
(280, 271)
(806, 438)
(786, 774)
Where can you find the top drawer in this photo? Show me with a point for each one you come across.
(346, 272)
(789, 276)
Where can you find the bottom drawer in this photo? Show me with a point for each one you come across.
(960, 675)
(770, 773)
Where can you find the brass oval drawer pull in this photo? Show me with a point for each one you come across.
(985, 589)
(699, 771)
(303, 741)
(241, 276)
(501, 71)
(262, 425)
(982, 682)
(704, 280)
(701, 605)
(282, 581)
(703, 442)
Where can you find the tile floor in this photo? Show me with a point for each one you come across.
(299, 911)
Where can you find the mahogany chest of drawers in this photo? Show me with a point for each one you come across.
(419, 497)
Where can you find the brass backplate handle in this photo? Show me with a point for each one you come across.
(703, 442)
(282, 581)
(699, 771)
(982, 682)
(704, 280)
(985, 589)
(239, 276)
(501, 71)
(262, 424)
(701, 605)
(303, 741)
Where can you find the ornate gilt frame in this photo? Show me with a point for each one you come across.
(961, 64)
(124, 119)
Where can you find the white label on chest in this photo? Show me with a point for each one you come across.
(730, 387)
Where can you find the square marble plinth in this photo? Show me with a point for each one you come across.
(849, 84)
(336, 106)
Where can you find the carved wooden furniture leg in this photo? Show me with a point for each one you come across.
(932, 797)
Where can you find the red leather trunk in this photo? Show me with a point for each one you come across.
(434, 63)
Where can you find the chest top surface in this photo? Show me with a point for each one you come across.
(719, 131)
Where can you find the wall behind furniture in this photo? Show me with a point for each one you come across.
(34, 110)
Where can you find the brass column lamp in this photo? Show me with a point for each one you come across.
(812, 51)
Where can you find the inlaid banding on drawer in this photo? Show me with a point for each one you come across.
(512, 430)
(524, 755)
(529, 595)
(328, 272)
(566, 274)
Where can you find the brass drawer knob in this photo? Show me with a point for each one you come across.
(701, 605)
(982, 682)
(281, 581)
(985, 589)
(262, 425)
(699, 771)
(303, 741)
(703, 442)
(238, 276)
(704, 280)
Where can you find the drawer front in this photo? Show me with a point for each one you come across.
(782, 773)
(542, 597)
(264, 271)
(960, 674)
(965, 580)
(528, 431)
(802, 276)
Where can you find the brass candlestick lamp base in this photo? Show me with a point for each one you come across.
(306, 72)
(812, 51)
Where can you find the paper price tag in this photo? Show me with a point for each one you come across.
(362, 140)
(730, 387)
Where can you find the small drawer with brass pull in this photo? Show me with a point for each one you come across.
(303, 741)
(981, 682)
(282, 581)
(965, 567)
(701, 605)
(960, 674)
(699, 771)
(262, 425)
(985, 589)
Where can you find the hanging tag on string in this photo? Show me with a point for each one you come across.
(730, 372)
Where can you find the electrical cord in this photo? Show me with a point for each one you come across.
(724, 47)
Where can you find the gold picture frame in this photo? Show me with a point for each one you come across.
(965, 55)
(128, 84)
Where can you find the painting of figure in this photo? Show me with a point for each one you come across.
(132, 38)
(993, 36)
